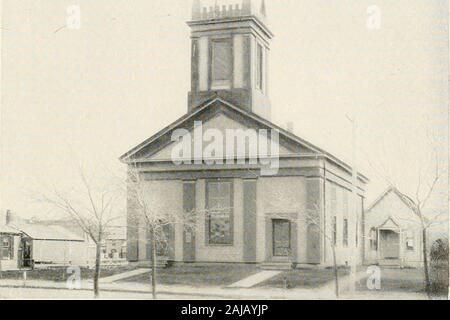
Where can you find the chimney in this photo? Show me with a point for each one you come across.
(8, 217)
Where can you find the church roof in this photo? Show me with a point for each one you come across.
(303, 147)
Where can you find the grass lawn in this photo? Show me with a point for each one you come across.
(404, 280)
(303, 278)
(213, 275)
(60, 274)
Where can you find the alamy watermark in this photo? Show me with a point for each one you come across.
(374, 279)
(73, 20)
(74, 279)
(373, 17)
(236, 146)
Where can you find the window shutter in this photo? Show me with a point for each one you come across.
(11, 248)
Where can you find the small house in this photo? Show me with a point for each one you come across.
(10, 248)
(55, 245)
(393, 232)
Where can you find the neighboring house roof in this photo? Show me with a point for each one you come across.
(306, 146)
(43, 232)
(8, 229)
(405, 199)
(116, 233)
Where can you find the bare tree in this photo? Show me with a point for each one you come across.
(94, 208)
(418, 205)
(309, 217)
(427, 216)
(156, 213)
(312, 218)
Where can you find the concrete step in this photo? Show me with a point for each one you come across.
(255, 279)
(390, 263)
(277, 266)
(161, 263)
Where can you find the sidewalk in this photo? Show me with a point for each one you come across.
(187, 292)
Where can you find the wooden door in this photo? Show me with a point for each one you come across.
(281, 238)
(390, 244)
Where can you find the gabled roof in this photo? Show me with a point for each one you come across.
(43, 232)
(130, 156)
(405, 199)
(390, 219)
(8, 230)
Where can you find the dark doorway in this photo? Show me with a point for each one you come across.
(26, 259)
(390, 244)
(281, 238)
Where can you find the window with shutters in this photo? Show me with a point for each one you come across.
(345, 233)
(334, 230)
(6, 247)
(373, 239)
(222, 63)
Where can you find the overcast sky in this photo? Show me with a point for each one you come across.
(89, 95)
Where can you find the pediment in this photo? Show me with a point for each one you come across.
(389, 224)
(217, 132)
(216, 118)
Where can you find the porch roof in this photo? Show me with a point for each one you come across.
(8, 229)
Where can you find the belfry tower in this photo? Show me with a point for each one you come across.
(230, 54)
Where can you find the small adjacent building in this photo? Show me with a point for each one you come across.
(393, 232)
(114, 248)
(10, 254)
(26, 243)
(51, 245)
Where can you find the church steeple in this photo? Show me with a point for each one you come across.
(230, 53)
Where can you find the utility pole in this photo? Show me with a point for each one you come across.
(354, 210)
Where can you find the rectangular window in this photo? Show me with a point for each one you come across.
(345, 233)
(334, 231)
(6, 247)
(409, 240)
(333, 200)
(373, 239)
(219, 203)
(410, 244)
(221, 61)
(260, 67)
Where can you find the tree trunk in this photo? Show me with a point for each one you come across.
(153, 240)
(98, 257)
(425, 263)
(336, 274)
